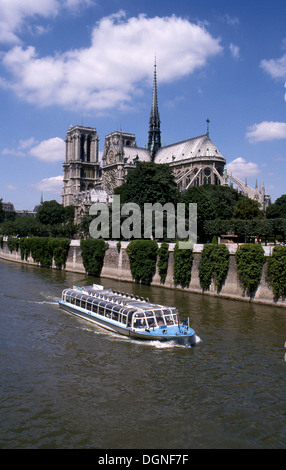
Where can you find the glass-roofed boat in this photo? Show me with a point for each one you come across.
(127, 314)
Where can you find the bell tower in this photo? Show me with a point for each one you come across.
(154, 135)
(81, 168)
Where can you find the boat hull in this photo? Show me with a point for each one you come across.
(182, 336)
(100, 321)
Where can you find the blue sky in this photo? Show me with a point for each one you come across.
(90, 62)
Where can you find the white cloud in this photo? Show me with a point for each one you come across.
(243, 169)
(52, 150)
(275, 67)
(235, 51)
(14, 152)
(24, 144)
(11, 187)
(53, 184)
(230, 20)
(15, 14)
(21, 149)
(265, 131)
(116, 65)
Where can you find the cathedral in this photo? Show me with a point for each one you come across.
(195, 162)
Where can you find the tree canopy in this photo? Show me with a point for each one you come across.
(247, 209)
(277, 209)
(149, 183)
(51, 212)
(213, 201)
(2, 213)
(52, 219)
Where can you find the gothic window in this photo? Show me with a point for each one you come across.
(88, 140)
(87, 173)
(111, 157)
(207, 176)
(82, 156)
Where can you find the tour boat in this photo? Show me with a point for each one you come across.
(127, 314)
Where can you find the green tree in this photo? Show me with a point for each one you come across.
(247, 209)
(163, 253)
(206, 209)
(276, 271)
(149, 183)
(250, 260)
(213, 265)
(224, 199)
(51, 213)
(93, 252)
(183, 262)
(2, 213)
(277, 209)
(25, 226)
(143, 257)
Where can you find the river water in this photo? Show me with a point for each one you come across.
(66, 383)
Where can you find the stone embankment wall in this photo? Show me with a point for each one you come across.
(116, 266)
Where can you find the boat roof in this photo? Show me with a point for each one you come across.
(112, 296)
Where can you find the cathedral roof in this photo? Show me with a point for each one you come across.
(131, 154)
(195, 148)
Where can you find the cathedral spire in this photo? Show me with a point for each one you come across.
(154, 136)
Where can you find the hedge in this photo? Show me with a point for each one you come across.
(44, 250)
(250, 260)
(163, 262)
(213, 265)
(143, 258)
(276, 271)
(183, 262)
(93, 252)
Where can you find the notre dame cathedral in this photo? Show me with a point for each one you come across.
(195, 162)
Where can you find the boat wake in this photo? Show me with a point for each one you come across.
(42, 302)
(111, 336)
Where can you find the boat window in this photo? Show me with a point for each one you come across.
(151, 321)
(167, 312)
(160, 319)
(169, 320)
(123, 319)
(115, 316)
(88, 306)
(94, 308)
(100, 310)
(176, 318)
(108, 310)
(139, 320)
(129, 317)
(117, 308)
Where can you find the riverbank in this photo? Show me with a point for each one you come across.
(116, 266)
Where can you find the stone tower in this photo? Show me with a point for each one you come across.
(81, 168)
(120, 156)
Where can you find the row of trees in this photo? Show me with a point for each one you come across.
(220, 209)
(51, 220)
